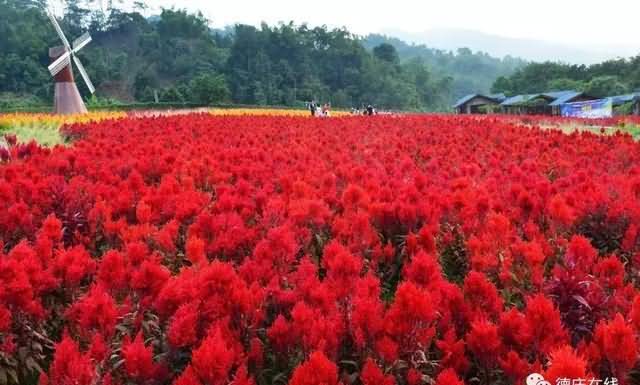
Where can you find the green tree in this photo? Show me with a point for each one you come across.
(172, 95)
(562, 84)
(603, 86)
(207, 89)
(608, 78)
(386, 52)
(502, 84)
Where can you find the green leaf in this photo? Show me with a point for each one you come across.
(3, 377)
(14, 376)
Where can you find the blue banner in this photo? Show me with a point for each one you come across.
(592, 109)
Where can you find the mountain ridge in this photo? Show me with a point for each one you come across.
(537, 50)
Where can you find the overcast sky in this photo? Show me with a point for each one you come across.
(578, 22)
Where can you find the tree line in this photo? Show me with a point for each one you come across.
(175, 57)
(612, 77)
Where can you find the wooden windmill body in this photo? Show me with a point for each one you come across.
(67, 99)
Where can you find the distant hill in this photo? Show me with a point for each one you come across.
(177, 58)
(529, 49)
(470, 72)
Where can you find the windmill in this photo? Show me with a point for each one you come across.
(67, 99)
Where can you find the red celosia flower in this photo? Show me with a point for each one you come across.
(317, 370)
(149, 278)
(409, 318)
(565, 363)
(634, 314)
(278, 249)
(280, 333)
(343, 269)
(96, 311)
(372, 375)
(453, 352)
(448, 377)
(367, 314)
(256, 352)
(73, 265)
(482, 296)
(138, 359)
(5, 319)
(242, 377)
(52, 228)
(354, 196)
(213, 360)
(484, 342)
(515, 367)
(195, 250)
(183, 329)
(611, 272)
(630, 238)
(561, 211)
(137, 252)
(388, 349)
(113, 272)
(167, 236)
(98, 350)
(544, 323)
(514, 329)
(424, 270)
(69, 366)
(143, 212)
(618, 343)
(411, 243)
(581, 252)
(414, 377)
(426, 238)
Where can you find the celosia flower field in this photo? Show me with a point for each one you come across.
(269, 112)
(14, 119)
(214, 250)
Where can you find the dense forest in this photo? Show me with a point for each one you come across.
(471, 72)
(613, 77)
(177, 58)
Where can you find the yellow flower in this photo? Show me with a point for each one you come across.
(29, 119)
(267, 112)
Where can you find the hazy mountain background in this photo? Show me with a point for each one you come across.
(468, 71)
(176, 57)
(500, 46)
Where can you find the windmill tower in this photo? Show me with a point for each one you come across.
(67, 99)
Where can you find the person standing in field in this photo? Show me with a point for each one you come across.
(312, 108)
(370, 110)
(325, 109)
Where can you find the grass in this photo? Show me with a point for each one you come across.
(632, 130)
(45, 134)
(568, 128)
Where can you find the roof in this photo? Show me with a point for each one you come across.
(517, 99)
(465, 99)
(559, 94)
(622, 99)
(566, 98)
(553, 96)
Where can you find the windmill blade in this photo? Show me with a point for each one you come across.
(84, 74)
(81, 42)
(65, 42)
(59, 63)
